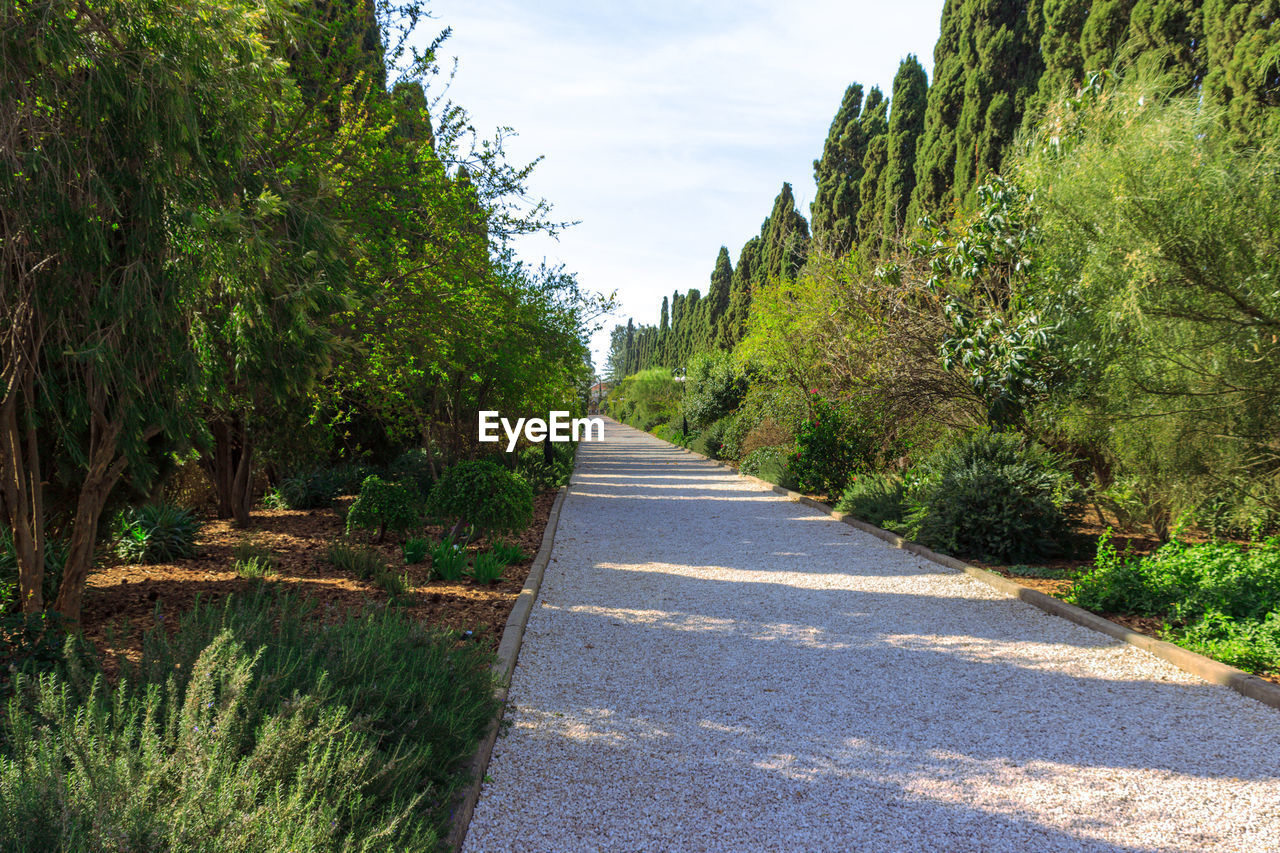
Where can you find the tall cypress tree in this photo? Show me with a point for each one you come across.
(906, 123)
(631, 360)
(717, 301)
(687, 340)
(733, 324)
(936, 150)
(1176, 29)
(1060, 47)
(1242, 45)
(837, 174)
(1104, 33)
(1000, 48)
(664, 331)
(871, 192)
(784, 239)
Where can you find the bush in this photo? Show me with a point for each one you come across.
(485, 495)
(772, 464)
(994, 496)
(508, 553)
(876, 499)
(254, 726)
(359, 560)
(1222, 599)
(710, 441)
(383, 506)
(486, 568)
(532, 466)
(155, 533)
(646, 399)
(413, 468)
(55, 558)
(416, 549)
(252, 560)
(835, 442)
(713, 388)
(448, 560)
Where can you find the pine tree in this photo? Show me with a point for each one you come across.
(906, 123)
(717, 301)
(936, 150)
(1242, 45)
(733, 324)
(1104, 33)
(1000, 48)
(784, 239)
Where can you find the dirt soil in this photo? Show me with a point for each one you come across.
(123, 600)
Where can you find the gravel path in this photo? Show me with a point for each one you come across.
(712, 667)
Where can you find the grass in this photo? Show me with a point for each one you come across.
(508, 553)
(448, 561)
(360, 560)
(258, 724)
(486, 568)
(254, 561)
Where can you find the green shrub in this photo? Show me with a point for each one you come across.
(646, 399)
(876, 499)
(156, 532)
(713, 388)
(772, 464)
(710, 441)
(252, 560)
(413, 468)
(55, 558)
(416, 549)
(837, 441)
(394, 585)
(383, 506)
(1219, 598)
(508, 553)
(486, 568)
(359, 560)
(254, 726)
(484, 495)
(448, 560)
(994, 496)
(531, 464)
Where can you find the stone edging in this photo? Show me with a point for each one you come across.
(508, 651)
(1207, 668)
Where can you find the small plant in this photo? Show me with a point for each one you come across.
(416, 549)
(772, 464)
(876, 499)
(156, 532)
(383, 506)
(486, 568)
(360, 560)
(448, 560)
(394, 585)
(253, 560)
(509, 553)
(484, 495)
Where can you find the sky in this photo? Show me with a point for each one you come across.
(667, 128)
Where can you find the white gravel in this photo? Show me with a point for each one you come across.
(712, 667)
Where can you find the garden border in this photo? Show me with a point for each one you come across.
(1215, 672)
(508, 652)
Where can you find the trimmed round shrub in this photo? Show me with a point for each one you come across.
(483, 494)
(156, 532)
(383, 506)
(994, 496)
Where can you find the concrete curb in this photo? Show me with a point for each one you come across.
(1198, 665)
(508, 651)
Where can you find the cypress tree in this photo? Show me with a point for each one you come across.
(687, 340)
(936, 150)
(784, 239)
(875, 123)
(1176, 28)
(840, 171)
(1242, 46)
(717, 301)
(664, 331)
(1104, 33)
(733, 324)
(631, 347)
(1000, 48)
(906, 123)
(1061, 50)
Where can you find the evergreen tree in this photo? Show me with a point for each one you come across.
(630, 360)
(687, 340)
(936, 150)
(784, 239)
(1104, 33)
(1175, 28)
(839, 173)
(1060, 47)
(1000, 48)
(664, 332)
(734, 322)
(906, 123)
(717, 301)
(871, 192)
(1242, 45)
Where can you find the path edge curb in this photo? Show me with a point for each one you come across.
(503, 667)
(1215, 672)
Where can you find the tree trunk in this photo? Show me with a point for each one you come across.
(230, 467)
(104, 471)
(23, 491)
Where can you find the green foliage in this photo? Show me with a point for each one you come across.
(383, 506)
(156, 533)
(253, 560)
(839, 173)
(34, 644)
(1222, 599)
(361, 561)
(710, 441)
(838, 440)
(713, 388)
(416, 549)
(531, 464)
(55, 557)
(646, 399)
(772, 464)
(994, 496)
(906, 124)
(876, 499)
(486, 567)
(315, 489)
(484, 495)
(413, 468)
(1242, 47)
(509, 554)
(448, 560)
(256, 725)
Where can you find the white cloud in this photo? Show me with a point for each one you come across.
(668, 127)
